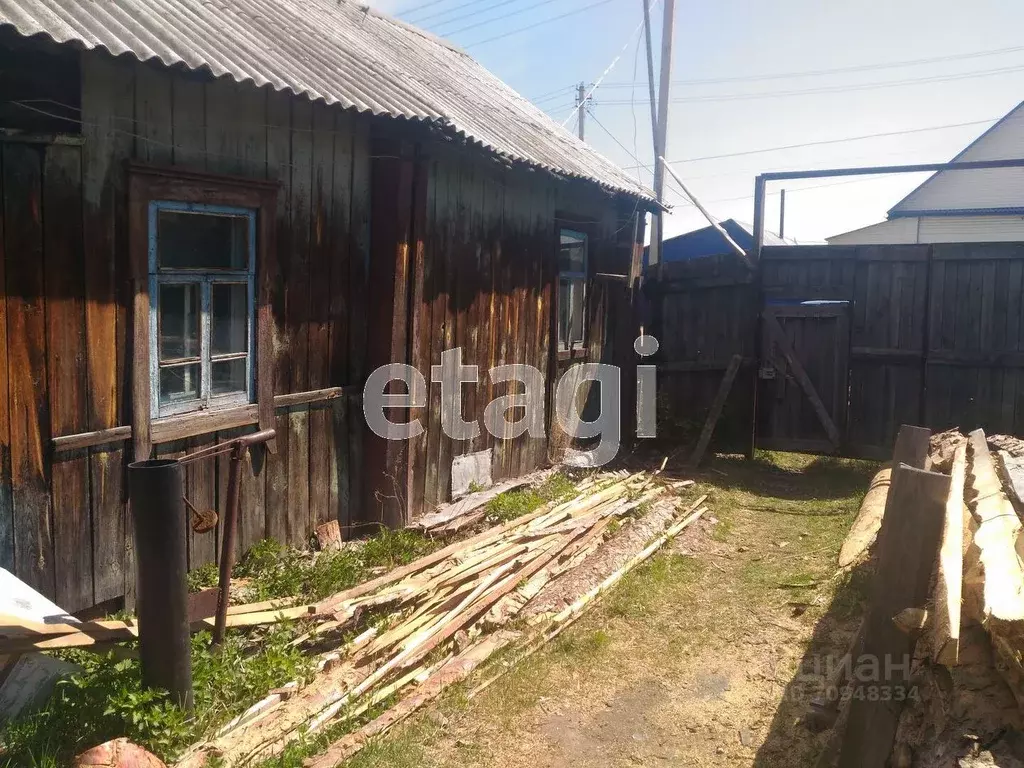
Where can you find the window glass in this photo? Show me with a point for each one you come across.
(564, 306)
(230, 310)
(202, 284)
(228, 376)
(180, 383)
(179, 321)
(572, 256)
(201, 241)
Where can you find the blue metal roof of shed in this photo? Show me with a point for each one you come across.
(335, 50)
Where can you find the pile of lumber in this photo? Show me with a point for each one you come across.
(435, 621)
(20, 636)
(948, 594)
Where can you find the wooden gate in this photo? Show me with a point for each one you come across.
(803, 377)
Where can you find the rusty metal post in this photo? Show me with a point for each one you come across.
(158, 511)
(227, 550)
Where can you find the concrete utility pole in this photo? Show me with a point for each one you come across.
(661, 135)
(581, 106)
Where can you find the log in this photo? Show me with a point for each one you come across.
(869, 519)
(912, 446)
(945, 631)
(993, 574)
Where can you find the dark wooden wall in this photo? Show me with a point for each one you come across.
(934, 332)
(482, 271)
(480, 248)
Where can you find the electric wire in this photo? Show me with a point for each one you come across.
(611, 66)
(836, 88)
(537, 24)
(824, 142)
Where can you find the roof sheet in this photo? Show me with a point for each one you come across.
(335, 50)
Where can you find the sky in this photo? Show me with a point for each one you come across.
(752, 75)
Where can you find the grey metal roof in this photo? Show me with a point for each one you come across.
(335, 50)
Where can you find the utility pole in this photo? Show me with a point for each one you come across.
(660, 139)
(581, 106)
(650, 77)
(782, 215)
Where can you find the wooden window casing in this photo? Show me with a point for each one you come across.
(149, 185)
(574, 281)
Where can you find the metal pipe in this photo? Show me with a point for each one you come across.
(158, 511)
(972, 165)
(227, 550)
(711, 219)
(239, 450)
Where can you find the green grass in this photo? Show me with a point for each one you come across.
(274, 570)
(512, 504)
(203, 577)
(105, 701)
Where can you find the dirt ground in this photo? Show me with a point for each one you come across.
(704, 657)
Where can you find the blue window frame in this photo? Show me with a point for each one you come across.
(202, 267)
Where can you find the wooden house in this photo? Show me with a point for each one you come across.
(218, 216)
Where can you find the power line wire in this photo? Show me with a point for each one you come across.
(537, 24)
(516, 12)
(818, 72)
(832, 141)
(415, 8)
(446, 11)
(597, 83)
(839, 70)
(836, 88)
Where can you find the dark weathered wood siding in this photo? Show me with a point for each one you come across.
(472, 255)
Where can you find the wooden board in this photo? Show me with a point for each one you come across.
(908, 544)
(27, 377)
(716, 410)
(67, 372)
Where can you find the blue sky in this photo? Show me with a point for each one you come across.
(741, 45)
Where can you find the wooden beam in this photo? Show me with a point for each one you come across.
(190, 426)
(945, 635)
(775, 329)
(724, 387)
(907, 547)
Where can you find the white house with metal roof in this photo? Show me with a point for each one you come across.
(964, 205)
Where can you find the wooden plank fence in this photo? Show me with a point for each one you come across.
(934, 337)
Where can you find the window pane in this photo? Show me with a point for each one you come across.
(180, 383)
(179, 321)
(573, 254)
(577, 311)
(187, 240)
(229, 376)
(230, 307)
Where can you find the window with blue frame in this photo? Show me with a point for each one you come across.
(572, 288)
(202, 320)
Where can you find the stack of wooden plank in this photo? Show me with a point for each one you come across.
(440, 618)
(20, 636)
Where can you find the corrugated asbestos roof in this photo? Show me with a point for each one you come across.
(333, 50)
